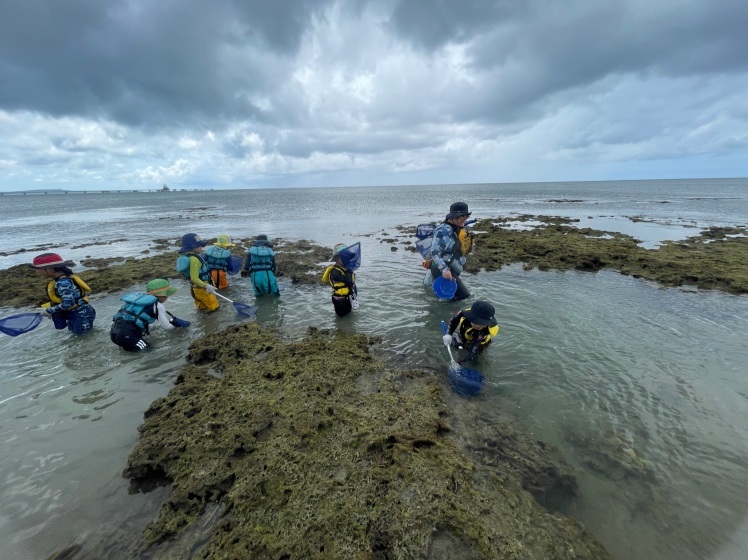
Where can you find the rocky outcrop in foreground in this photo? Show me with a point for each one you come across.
(315, 449)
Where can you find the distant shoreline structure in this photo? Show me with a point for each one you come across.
(36, 192)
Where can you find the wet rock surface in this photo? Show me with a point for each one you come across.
(20, 286)
(715, 259)
(317, 449)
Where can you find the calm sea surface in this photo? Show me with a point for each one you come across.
(585, 361)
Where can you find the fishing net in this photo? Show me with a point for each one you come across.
(19, 324)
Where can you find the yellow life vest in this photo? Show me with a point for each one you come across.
(467, 332)
(82, 286)
(338, 288)
(465, 238)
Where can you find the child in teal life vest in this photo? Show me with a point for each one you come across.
(218, 259)
(472, 330)
(131, 323)
(68, 304)
(260, 267)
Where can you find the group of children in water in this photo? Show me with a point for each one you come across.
(206, 268)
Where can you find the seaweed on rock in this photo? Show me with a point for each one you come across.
(306, 464)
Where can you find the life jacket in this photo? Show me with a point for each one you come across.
(466, 241)
(468, 334)
(79, 283)
(183, 267)
(139, 308)
(260, 258)
(217, 258)
(338, 288)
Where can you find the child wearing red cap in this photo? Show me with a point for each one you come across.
(68, 304)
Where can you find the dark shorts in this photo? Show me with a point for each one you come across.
(127, 335)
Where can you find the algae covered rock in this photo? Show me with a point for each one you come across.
(314, 449)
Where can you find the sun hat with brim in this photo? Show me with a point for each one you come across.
(160, 287)
(49, 260)
(190, 241)
(481, 313)
(338, 248)
(458, 209)
(223, 241)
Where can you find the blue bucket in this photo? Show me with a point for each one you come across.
(465, 381)
(445, 289)
(235, 264)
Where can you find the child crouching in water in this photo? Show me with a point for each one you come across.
(472, 330)
(140, 310)
(67, 292)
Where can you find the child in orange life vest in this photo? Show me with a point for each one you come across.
(472, 330)
(343, 282)
(218, 259)
(68, 305)
(201, 288)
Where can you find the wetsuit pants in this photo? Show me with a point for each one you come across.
(128, 335)
(264, 282)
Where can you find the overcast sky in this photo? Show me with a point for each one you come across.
(303, 93)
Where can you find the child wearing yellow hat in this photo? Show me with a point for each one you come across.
(218, 259)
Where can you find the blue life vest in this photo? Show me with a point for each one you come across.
(261, 257)
(217, 258)
(139, 308)
(183, 267)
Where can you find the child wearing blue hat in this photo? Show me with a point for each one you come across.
(260, 267)
(193, 267)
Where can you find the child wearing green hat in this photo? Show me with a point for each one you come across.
(131, 323)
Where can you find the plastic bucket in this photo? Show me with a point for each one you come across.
(235, 264)
(445, 289)
(465, 381)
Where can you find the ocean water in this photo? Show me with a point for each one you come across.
(588, 362)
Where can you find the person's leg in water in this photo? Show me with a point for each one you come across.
(128, 336)
(342, 305)
(81, 319)
(462, 291)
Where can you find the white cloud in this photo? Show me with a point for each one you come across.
(373, 93)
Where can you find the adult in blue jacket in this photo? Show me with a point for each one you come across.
(450, 247)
